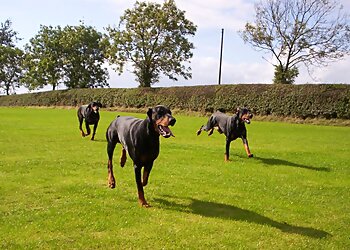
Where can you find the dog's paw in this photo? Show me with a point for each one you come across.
(111, 184)
(145, 204)
(251, 156)
(199, 132)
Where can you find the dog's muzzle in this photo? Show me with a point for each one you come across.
(165, 130)
(172, 121)
(247, 118)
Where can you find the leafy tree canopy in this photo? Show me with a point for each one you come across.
(83, 58)
(10, 59)
(153, 38)
(72, 56)
(44, 59)
(8, 37)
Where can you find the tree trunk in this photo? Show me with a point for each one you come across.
(146, 79)
(7, 89)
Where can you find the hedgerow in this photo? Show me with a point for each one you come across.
(300, 101)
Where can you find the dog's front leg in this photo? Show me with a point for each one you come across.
(88, 130)
(139, 185)
(146, 172)
(94, 131)
(227, 152)
(246, 147)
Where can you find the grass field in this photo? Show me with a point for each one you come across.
(53, 187)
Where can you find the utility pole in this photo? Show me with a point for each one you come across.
(222, 45)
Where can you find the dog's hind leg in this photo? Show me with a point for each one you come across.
(227, 150)
(110, 150)
(199, 131)
(81, 126)
(205, 128)
(209, 126)
(123, 157)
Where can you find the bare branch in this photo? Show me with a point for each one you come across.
(312, 32)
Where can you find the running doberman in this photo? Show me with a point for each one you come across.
(140, 138)
(232, 127)
(91, 115)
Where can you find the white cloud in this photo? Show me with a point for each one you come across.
(227, 14)
(205, 71)
(337, 72)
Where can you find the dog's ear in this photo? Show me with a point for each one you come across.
(89, 106)
(149, 113)
(222, 110)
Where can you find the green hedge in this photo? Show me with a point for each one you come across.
(301, 101)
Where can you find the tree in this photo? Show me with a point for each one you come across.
(83, 57)
(10, 59)
(44, 59)
(153, 38)
(72, 56)
(310, 32)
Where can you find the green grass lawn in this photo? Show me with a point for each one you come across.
(294, 194)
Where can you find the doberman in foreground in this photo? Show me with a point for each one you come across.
(140, 138)
(91, 115)
(232, 127)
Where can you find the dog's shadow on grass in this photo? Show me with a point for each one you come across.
(229, 212)
(273, 161)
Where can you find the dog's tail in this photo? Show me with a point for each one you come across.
(108, 137)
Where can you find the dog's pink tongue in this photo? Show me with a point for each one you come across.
(168, 131)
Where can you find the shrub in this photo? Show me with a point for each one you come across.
(301, 101)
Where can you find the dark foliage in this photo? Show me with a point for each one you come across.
(301, 101)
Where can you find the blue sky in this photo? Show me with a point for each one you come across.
(241, 63)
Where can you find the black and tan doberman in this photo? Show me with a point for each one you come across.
(140, 138)
(89, 113)
(232, 127)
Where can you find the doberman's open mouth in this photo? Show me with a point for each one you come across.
(165, 131)
(246, 120)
